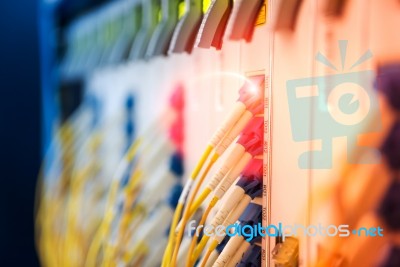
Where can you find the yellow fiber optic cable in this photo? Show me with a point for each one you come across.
(220, 149)
(229, 177)
(131, 193)
(191, 253)
(232, 119)
(204, 260)
(223, 137)
(231, 218)
(227, 180)
(185, 216)
(171, 241)
(238, 157)
(67, 158)
(74, 200)
(189, 262)
(77, 182)
(110, 250)
(232, 247)
(237, 256)
(229, 137)
(103, 229)
(177, 214)
(76, 187)
(49, 209)
(139, 250)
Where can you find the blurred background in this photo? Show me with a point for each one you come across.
(21, 129)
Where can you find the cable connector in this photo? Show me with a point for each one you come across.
(252, 91)
(176, 165)
(212, 28)
(251, 215)
(253, 170)
(244, 18)
(252, 178)
(252, 136)
(177, 99)
(252, 258)
(286, 254)
(252, 187)
(227, 182)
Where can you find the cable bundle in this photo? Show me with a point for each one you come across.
(246, 121)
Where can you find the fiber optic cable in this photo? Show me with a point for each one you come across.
(185, 244)
(250, 217)
(157, 188)
(134, 206)
(77, 182)
(231, 219)
(220, 149)
(134, 185)
(249, 184)
(47, 206)
(130, 15)
(184, 247)
(104, 227)
(58, 200)
(130, 191)
(247, 188)
(239, 253)
(71, 242)
(182, 39)
(151, 231)
(151, 196)
(157, 252)
(247, 147)
(229, 130)
(67, 139)
(194, 237)
(247, 254)
(123, 217)
(248, 104)
(148, 25)
(231, 127)
(235, 246)
(163, 182)
(212, 256)
(161, 38)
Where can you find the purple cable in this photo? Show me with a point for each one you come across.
(388, 82)
(389, 209)
(391, 147)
